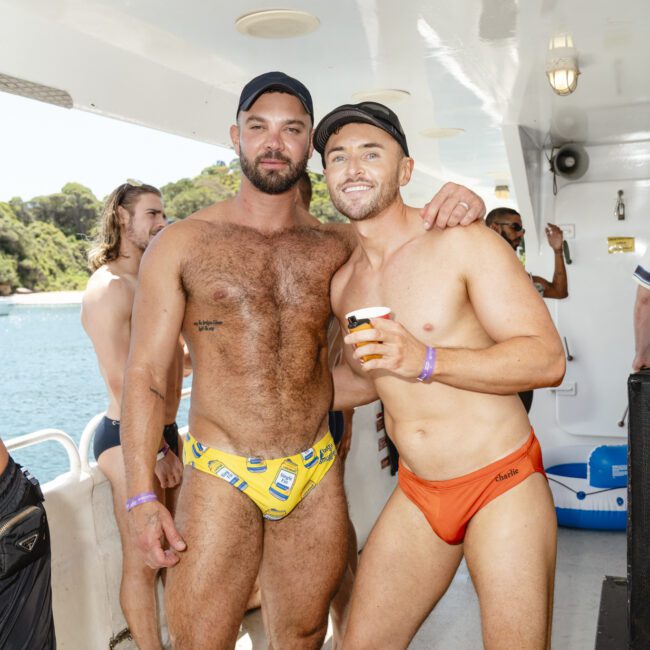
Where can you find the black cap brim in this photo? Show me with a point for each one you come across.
(350, 114)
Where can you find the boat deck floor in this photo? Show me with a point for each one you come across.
(584, 559)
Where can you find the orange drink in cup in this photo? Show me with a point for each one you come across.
(359, 319)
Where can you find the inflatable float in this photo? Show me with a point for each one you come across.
(589, 485)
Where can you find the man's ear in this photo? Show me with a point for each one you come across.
(234, 138)
(123, 215)
(311, 143)
(495, 227)
(406, 170)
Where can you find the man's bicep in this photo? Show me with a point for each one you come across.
(502, 294)
(157, 312)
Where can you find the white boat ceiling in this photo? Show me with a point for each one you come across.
(475, 65)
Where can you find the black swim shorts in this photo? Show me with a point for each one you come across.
(107, 435)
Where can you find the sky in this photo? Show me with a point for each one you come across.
(43, 147)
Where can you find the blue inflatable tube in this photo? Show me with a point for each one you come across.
(589, 485)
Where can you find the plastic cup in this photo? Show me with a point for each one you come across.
(359, 319)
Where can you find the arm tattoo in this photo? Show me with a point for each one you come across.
(157, 393)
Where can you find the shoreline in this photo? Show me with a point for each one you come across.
(46, 298)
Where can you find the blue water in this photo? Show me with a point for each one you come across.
(50, 379)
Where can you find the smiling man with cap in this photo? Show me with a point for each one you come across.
(247, 282)
(468, 330)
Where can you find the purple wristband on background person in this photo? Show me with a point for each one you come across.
(162, 452)
(429, 364)
(139, 499)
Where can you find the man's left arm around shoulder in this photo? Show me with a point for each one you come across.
(526, 353)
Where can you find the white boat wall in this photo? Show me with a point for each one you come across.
(467, 79)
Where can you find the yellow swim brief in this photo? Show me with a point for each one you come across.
(275, 485)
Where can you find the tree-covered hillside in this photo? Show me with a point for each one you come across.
(43, 241)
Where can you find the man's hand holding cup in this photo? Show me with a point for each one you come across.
(383, 344)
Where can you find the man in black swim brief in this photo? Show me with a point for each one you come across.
(133, 215)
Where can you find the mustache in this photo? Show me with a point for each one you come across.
(273, 155)
(353, 181)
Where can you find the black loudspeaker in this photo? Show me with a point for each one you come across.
(571, 162)
(638, 511)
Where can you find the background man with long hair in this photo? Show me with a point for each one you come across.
(133, 215)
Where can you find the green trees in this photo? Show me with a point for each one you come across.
(44, 241)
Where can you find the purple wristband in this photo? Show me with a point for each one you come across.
(162, 452)
(429, 364)
(139, 499)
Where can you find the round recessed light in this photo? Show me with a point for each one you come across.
(382, 95)
(441, 133)
(277, 23)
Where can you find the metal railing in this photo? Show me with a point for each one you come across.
(45, 435)
(77, 456)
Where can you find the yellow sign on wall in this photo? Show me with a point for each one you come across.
(620, 244)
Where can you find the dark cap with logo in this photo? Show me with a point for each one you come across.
(367, 113)
(274, 81)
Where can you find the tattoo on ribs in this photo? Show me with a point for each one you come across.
(158, 394)
(207, 325)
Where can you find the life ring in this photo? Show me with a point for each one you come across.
(589, 485)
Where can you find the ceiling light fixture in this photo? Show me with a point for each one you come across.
(381, 95)
(277, 23)
(502, 192)
(562, 64)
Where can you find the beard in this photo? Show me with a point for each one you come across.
(273, 181)
(137, 240)
(360, 211)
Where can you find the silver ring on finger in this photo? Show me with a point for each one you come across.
(465, 205)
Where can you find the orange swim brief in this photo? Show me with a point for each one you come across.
(449, 505)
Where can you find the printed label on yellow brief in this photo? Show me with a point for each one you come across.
(284, 480)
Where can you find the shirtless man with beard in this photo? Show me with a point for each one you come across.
(247, 281)
(469, 330)
(132, 216)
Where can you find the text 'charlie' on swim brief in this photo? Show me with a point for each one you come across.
(275, 485)
(449, 505)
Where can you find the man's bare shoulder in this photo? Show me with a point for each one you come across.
(108, 294)
(476, 237)
(343, 231)
(214, 213)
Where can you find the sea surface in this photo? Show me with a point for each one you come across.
(50, 379)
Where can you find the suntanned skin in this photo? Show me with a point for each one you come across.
(558, 286)
(641, 329)
(247, 282)
(106, 317)
(464, 292)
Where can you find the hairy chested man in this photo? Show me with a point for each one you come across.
(468, 332)
(247, 281)
(133, 214)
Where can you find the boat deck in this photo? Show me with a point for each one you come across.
(584, 559)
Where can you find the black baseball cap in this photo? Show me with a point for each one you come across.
(372, 113)
(274, 81)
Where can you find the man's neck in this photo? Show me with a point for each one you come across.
(130, 257)
(262, 211)
(379, 237)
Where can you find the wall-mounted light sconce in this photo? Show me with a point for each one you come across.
(562, 64)
(502, 191)
(619, 210)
